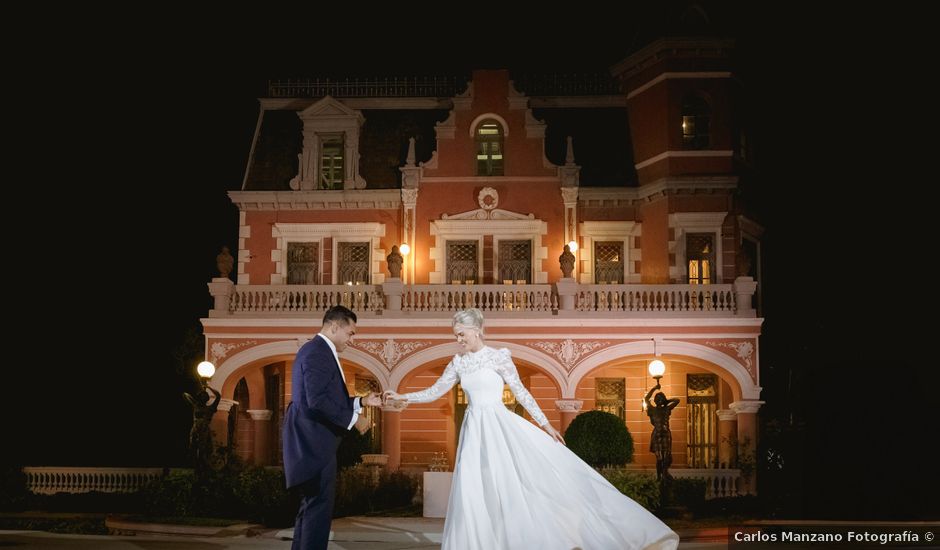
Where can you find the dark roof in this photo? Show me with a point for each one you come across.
(600, 136)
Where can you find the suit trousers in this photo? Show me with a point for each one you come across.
(312, 526)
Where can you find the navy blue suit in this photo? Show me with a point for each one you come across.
(319, 414)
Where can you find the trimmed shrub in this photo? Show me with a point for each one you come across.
(643, 488)
(600, 439)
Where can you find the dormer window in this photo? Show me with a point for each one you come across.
(695, 123)
(489, 148)
(332, 174)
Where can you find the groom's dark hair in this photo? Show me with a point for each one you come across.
(339, 314)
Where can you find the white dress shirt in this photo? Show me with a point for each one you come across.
(357, 406)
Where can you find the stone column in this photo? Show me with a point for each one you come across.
(393, 289)
(221, 289)
(746, 412)
(219, 423)
(569, 409)
(744, 288)
(567, 287)
(391, 434)
(726, 435)
(261, 418)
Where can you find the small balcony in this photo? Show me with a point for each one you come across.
(565, 299)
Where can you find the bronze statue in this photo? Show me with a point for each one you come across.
(661, 438)
(566, 262)
(200, 437)
(394, 260)
(224, 262)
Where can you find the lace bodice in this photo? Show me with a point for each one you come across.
(463, 365)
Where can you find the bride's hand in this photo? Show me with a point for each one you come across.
(393, 396)
(556, 435)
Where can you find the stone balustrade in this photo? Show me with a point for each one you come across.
(49, 480)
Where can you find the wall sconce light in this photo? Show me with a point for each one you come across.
(404, 249)
(572, 245)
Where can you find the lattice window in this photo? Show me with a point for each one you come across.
(702, 400)
(700, 251)
(303, 263)
(462, 261)
(608, 262)
(610, 396)
(364, 386)
(489, 141)
(353, 260)
(515, 261)
(331, 161)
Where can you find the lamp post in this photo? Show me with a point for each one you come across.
(200, 436)
(661, 438)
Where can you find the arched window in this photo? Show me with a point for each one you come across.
(695, 123)
(489, 140)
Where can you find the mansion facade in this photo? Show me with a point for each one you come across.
(486, 179)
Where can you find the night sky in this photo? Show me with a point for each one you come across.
(129, 164)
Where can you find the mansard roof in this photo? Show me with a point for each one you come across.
(594, 115)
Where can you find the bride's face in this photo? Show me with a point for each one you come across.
(469, 338)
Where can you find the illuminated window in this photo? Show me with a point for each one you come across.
(608, 262)
(695, 123)
(702, 400)
(610, 395)
(701, 254)
(489, 150)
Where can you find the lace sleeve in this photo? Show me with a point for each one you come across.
(506, 369)
(444, 383)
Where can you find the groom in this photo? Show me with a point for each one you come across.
(320, 412)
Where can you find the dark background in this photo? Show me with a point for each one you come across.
(130, 140)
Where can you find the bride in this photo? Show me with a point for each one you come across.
(516, 486)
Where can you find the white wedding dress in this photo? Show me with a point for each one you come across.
(517, 488)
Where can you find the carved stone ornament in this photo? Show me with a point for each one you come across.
(568, 352)
(488, 198)
(389, 352)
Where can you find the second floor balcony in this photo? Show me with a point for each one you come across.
(564, 298)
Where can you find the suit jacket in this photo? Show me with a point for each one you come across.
(318, 415)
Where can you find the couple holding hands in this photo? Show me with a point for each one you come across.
(515, 485)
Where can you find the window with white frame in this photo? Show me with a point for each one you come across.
(514, 261)
(700, 252)
(608, 262)
(489, 147)
(463, 261)
(353, 263)
(303, 263)
(332, 173)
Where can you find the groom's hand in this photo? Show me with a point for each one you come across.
(372, 400)
(363, 424)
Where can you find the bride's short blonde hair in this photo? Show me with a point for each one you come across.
(470, 317)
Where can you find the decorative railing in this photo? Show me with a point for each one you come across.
(49, 480)
(656, 298)
(718, 482)
(305, 298)
(517, 298)
(401, 86)
(565, 298)
(566, 84)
